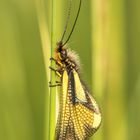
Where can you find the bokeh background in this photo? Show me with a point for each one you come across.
(107, 39)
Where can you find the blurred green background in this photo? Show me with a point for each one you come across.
(107, 39)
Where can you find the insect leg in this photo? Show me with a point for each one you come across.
(58, 72)
(58, 63)
(55, 85)
(58, 82)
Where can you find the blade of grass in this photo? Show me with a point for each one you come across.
(44, 34)
(109, 66)
(99, 58)
(115, 108)
(52, 111)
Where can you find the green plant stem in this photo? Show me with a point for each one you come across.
(44, 34)
(52, 119)
(109, 67)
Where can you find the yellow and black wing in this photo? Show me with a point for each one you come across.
(79, 115)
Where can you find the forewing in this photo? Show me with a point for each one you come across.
(62, 127)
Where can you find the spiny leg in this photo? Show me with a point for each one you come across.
(58, 72)
(54, 85)
(57, 62)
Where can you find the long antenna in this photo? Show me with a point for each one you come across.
(73, 24)
(66, 25)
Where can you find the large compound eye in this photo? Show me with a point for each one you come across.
(63, 54)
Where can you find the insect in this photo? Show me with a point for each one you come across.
(79, 115)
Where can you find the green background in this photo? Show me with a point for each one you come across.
(107, 40)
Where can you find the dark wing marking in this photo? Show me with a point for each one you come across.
(72, 87)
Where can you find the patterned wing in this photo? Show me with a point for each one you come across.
(62, 127)
(85, 111)
(79, 115)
